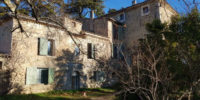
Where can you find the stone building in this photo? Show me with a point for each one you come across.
(46, 57)
(134, 19)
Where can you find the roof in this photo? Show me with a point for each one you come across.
(8, 17)
(136, 6)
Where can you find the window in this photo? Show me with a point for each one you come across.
(99, 76)
(43, 75)
(115, 32)
(95, 75)
(50, 47)
(121, 32)
(91, 51)
(45, 47)
(115, 51)
(145, 10)
(122, 17)
(118, 32)
(1, 65)
(36, 75)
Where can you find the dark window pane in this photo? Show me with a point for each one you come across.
(122, 17)
(145, 10)
(1, 64)
(115, 51)
(95, 76)
(89, 50)
(115, 32)
(44, 76)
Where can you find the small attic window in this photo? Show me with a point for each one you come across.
(145, 10)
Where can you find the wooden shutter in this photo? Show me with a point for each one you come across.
(51, 75)
(31, 75)
(101, 76)
(43, 46)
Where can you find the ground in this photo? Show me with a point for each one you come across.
(92, 94)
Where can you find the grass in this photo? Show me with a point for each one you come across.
(61, 95)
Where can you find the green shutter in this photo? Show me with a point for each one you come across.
(43, 50)
(101, 76)
(31, 75)
(51, 75)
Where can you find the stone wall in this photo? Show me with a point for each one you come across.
(135, 21)
(25, 55)
(97, 26)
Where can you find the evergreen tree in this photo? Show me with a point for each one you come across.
(81, 8)
(180, 40)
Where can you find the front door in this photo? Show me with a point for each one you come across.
(75, 81)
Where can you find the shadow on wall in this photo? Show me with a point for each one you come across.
(70, 73)
(6, 84)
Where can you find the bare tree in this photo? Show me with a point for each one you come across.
(146, 76)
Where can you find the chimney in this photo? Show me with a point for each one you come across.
(134, 2)
(92, 14)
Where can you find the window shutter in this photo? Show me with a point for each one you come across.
(51, 75)
(43, 48)
(31, 75)
(101, 76)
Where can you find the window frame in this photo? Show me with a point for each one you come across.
(95, 76)
(115, 32)
(34, 75)
(51, 48)
(115, 54)
(47, 52)
(1, 64)
(142, 10)
(41, 81)
(122, 17)
(91, 51)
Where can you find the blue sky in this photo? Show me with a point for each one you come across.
(118, 4)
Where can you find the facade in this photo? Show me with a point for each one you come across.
(46, 57)
(135, 18)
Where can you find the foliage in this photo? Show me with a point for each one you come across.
(111, 11)
(82, 7)
(35, 8)
(180, 42)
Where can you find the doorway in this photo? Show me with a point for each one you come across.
(75, 80)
